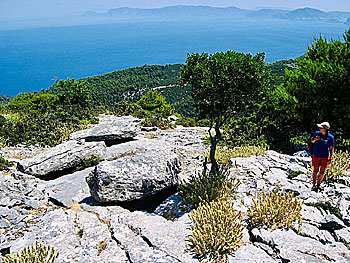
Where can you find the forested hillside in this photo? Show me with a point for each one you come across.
(130, 84)
(4, 99)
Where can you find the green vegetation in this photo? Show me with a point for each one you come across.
(223, 155)
(216, 231)
(293, 174)
(320, 87)
(4, 164)
(155, 104)
(207, 186)
(152, 108)
(224, 85)
(4, 99)
(339, 165)
(275, 210)
(92, 161)
(279, 68)
(128, 84)
(315, 89)
(37, 253)
(46, 119)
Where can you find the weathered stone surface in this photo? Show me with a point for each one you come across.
(250, 254)
(344, 207)
(62, 157)
(67, 189)
(173, 207)
(162, 235)
(295, 248)
(312, 231)
(343, 235)
(145, 237)
(135, 176)
(117, 128)
(75, 234)
(312, 214)
(26, 215)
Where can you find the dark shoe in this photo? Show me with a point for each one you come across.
(319, 188)
(314, 188)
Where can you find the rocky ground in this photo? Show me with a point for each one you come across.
(114, 212)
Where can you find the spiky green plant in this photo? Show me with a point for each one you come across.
(208, 186)
(223, 155)
(216, 230)
(37, 253)
(275, 210)
(4, 164)
(339, 165)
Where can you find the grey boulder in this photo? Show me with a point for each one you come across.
(62, 157)
(135, 176)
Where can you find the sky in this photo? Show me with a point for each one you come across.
(17, 9)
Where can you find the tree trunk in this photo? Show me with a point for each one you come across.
(213, 144)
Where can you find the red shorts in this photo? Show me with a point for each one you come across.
(320, 161)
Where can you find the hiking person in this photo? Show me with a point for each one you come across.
(322, 154)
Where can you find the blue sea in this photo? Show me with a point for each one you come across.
(31, 59)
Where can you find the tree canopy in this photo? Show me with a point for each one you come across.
(321, 85)
(225, 84)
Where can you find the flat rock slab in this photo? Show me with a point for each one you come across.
(118, 128)
(166, 238)
(76, 235)
(134, 176)
(250, 254)
(294, 248)
(68, 189)
(62, 157)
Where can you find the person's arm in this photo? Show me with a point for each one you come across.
(315, 138)
(331, 148)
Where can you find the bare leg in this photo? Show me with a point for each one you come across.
(314, 174)
(321, 175)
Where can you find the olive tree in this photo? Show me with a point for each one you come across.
(223, 85)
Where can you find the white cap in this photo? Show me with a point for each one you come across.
(324, 125)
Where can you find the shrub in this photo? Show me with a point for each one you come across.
(35, 118)
(155, 121)
(37, 253)
(275, 210)
(124, 108)
(339, 165)
(207, 186)
(4, 163)
(186, 122)
(155, 103)
(92, 161)
(223, 155)
(216, 230)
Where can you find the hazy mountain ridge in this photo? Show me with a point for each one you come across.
(181, 12)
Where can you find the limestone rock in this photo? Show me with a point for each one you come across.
(343, 235)
(118, 128)
(67, 189)
(76, 235)
(250, 254)
(62, 157)
(168, 237)
(292, 247)
(134, 176)
(312, 231)
(173, 207)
